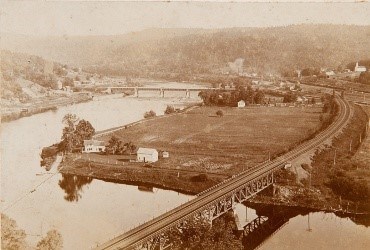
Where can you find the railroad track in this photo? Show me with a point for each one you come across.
(160, 224)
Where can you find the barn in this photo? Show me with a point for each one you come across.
(147, 155)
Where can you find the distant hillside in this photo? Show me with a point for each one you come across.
(192, 51)
(24, 76)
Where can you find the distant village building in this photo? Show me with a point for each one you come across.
(147, 155)
(241, 104)
(93, 146)
(165, 154)
(76, 83)
(236, 66)
(360, 68)
(59, 84)
(329, 73)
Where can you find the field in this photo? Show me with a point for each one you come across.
(199, 140)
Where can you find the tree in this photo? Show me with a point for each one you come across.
(84, 131)
(219, 113)
(113, 145)
(11, 236)
(199, 234)
(169, 109)
(70, 121)
(52, 241)
(129, 147)
(68, 82)
(259, 97)
(149, 114)
(290, 97)
(75, 132)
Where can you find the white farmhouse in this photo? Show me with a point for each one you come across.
(147, 155)
(93, 146)
(360, 68)
(241, 104)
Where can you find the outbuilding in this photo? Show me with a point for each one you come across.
(147, 155)
(93, 146)
(165, 154)
(241, 104)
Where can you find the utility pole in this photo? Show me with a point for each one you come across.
(335, 155)
(350, 146)
(308, 222)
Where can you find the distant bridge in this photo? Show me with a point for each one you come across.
(221, 198)
(161, 91)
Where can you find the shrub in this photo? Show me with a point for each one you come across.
(169, 110)
(199, 178)
(219, 113)
(150, 114)
(348, 187)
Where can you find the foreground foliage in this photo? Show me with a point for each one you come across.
(199, 234)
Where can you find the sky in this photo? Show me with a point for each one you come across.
(71, 18)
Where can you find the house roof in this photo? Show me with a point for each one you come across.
(94, 143)
(241, 101)
(147, 151)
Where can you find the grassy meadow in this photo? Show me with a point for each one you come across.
(242, 137)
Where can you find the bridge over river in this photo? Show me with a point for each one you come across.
(160, 90)
(221, 198)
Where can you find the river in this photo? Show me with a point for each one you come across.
(89, 211)
(85, 212)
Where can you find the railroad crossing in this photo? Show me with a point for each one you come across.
(221, 198)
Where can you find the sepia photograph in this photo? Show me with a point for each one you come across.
(185, 125)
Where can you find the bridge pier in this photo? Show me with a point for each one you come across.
(161, 93)
(187, 94)
(136, 92)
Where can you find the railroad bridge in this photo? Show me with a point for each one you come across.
(221, 198)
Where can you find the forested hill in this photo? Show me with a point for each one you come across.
(274, 50)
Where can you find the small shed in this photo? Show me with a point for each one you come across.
(147, 155)
(241, 104)
(93, 146)
(165, 154)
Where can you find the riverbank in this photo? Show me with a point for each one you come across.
(41, 105)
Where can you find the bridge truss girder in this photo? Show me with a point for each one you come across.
(210, 212)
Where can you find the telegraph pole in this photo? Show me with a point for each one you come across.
(335, 155)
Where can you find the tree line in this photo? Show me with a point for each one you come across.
(118, 147)
(231, 98)
(247, 94)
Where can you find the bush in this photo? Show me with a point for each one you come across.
(219, 113)
(349, 188)
(150, 114)
(169, 110)
(199, 178)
